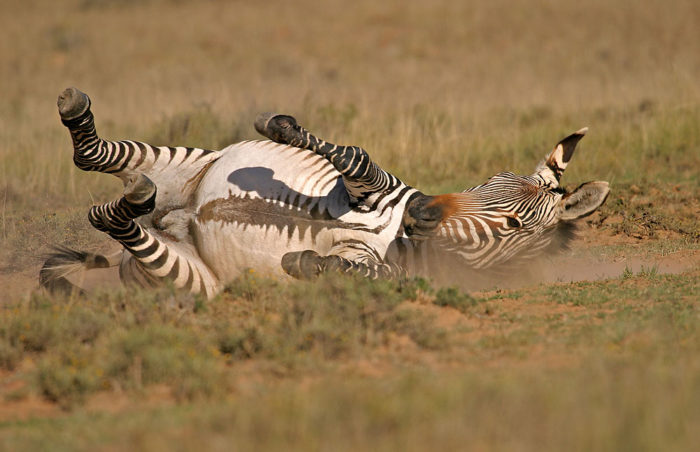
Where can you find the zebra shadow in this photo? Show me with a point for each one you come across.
(261, 181)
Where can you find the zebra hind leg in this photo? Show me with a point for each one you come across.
(309, 264)
(362, 177)
(116, 218)
(154, 258)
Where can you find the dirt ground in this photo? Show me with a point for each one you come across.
(597, 253)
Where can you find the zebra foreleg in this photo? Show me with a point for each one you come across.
(362, 177)
(309, 264)
(154, 260)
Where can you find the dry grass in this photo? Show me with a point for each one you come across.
(441, 93)
(485, 86)
(348, 364)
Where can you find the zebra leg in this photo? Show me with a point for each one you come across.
(154, 260)
(172, 168)
(309, 264)
(91, 153)
(362, 177)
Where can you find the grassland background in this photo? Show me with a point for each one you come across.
(441, 93)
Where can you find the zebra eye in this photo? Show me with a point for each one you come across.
(513, 222)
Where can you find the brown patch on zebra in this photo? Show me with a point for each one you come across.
(247, 210)
(455, 205)
(447, 203)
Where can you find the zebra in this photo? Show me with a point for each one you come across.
(298, 206)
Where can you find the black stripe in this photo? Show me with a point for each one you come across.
(146, 252)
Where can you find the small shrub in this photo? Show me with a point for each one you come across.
(239, 342)
(337, 313)
(67, 377)
(649, 272)
(137, 357)
(32, 331)
(412, 287)
(627, 273)
(454, 298)
(418, 327)
(249, 286)
(330, 317)
(9, 355)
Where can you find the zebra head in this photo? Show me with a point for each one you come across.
(510, 216)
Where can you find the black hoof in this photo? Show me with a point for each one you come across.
(422, 216)
(72, 104)
(302, 264)
(139, 190)
(276, 127)
(140, 196)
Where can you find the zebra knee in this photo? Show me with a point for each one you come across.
(139, 199)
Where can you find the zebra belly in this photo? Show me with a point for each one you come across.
(260, 200)
(231, 248)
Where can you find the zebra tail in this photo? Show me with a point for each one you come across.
(63, 262)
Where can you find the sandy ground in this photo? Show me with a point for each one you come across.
(581, 263)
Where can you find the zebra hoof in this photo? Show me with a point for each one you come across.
(422, 216)
(72, 104)
(302, 264)
(139, 190)
(278, 128)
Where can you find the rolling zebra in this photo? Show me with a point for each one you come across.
(299, 206)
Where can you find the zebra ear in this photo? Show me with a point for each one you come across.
(555, 163)
(584, 200)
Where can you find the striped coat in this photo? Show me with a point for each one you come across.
(299, 206)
